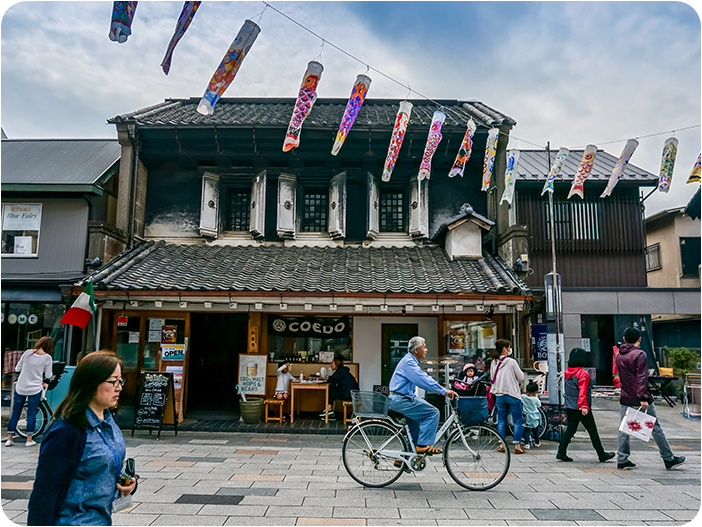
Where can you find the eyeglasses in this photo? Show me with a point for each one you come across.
(117, 382)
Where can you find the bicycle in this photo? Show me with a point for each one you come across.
(376, 452)
(44, 410)
(539, 431)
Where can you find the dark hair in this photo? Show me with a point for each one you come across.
(632, 335)
(338, 360)
(93, 369)
(501, 344)
(46, 344)
(578, 358)
(532, 387)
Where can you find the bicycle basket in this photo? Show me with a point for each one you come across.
(369, 404)
(472, 410)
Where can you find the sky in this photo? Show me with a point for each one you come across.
(569, 73)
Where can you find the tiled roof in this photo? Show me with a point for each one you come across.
(533, 166)
(159, 266)
(326, 113)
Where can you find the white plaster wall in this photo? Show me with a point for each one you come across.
(367, 344)
(464, 240)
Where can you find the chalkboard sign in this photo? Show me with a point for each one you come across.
(156, 400)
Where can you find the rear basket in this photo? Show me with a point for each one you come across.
(472, 410)
(369, 404)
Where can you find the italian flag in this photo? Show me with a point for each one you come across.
(82, 309)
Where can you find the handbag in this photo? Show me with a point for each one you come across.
(491, 399)
(638, 424)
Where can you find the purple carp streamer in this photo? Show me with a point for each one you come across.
(586, 164)
(459, 165)
(670, 150)
(623, 161)
(510, 176)
(122, 16)
(358, 95)
(489, 161)
(186, 16)
(228, 68)
(555, 170)
(695, 174)
(305, 100)
(398, 135)
(433, 141)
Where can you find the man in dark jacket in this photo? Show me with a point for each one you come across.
(633, 373)
(341, 383)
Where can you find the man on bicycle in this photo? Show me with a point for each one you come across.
(423, 417)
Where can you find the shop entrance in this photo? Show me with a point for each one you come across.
(395, 338)
(216, 341)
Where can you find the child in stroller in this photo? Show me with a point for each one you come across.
(470, 381)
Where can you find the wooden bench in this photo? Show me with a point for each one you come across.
(348, 405)
(279, 403)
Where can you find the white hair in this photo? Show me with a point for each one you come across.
(414, 343)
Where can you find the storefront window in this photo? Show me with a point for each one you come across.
(20, 229)
(23, 324)
(161, 331)
(128, 343)
(470, 338)
(308, 339)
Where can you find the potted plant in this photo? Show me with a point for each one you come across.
(682, 360)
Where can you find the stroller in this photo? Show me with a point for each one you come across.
(477, 389)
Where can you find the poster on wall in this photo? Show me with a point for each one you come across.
(173, 351)
(457, 343)
(252, 374)
(168, 334)
(23, 245)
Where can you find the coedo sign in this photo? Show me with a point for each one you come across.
(327, 328)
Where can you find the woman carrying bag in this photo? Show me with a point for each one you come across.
(506, 378)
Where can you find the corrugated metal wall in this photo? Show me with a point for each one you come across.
(62, 238)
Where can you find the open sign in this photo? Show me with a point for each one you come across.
(173, 352)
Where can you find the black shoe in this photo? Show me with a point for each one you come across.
(563, 457)
(675, 462)
(626, 465)
(607, 457)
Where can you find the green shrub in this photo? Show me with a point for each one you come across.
(683, 359)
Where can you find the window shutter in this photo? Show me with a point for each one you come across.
(209, 205)
(258, 206)
(337, 206)
(419, 208)
(287, 210)
(373, 207)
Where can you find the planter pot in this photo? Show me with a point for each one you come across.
(251, 411)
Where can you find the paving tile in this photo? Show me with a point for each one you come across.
(343, 501)
(237, 491)
(539, 523)
(432, 513)
(681, 515)
(16, 485)
(566, 514)
(170, 464)
(632, 515)
(368, 512)
(269, 439)
(257, 452)
(15, 494)
(244, 521)
(272, 500)
(601, 470)
(170, 519)
(394, 521)
(536, 503)
(203, 459)
(256, 477)
(166, 508)
(209, 441)
(307, 512)
(677, 481)
(472, 522)
(233, 510)
(492, 514)
(134, 519)
(314, 522)
(208, 499)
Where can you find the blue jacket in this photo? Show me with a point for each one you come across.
(408, 375)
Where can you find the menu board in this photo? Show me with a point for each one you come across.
(156, 401)
(252, 374)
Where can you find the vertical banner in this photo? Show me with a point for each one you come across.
(555, 170)
(459, 165)
(433, 141)
(229, 67)
(670, 150)
(398, 136)
(695, 174)
(353, 106)
(305, 100)
(186, 16)
(510, 176)
(586, 164)
(489, 161)
(623, 161)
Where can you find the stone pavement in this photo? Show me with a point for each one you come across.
(200, 478)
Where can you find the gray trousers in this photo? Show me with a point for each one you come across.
(658, 436)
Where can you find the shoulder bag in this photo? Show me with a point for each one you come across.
(490, 397)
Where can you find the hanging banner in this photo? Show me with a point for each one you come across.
(121, 25)
(555, 170)
(586, 164)
(398, 135)
(328, 328)
(186, 16)
(305, 100)
(459, 165)
(623, 161)
(228, 68)
(489, 161)
(433, 140)
(358, 95)
(670, 150)
(510, 176)
(695, 174)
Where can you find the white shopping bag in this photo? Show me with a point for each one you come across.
(638, 424)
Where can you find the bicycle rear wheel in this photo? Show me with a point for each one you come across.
(483, 468)
(363, 456)
(43, 417)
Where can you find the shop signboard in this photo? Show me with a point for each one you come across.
(252, 374)
(539, 336)
(122, 320)
(21, 217)
(173, 351)
(156, 403)
(310, 327)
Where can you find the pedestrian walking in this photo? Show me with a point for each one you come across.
(531, 415)
(34, 366)
(81, 456)
(506, 378)
(578, 403)
(633, 374)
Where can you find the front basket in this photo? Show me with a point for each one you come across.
(472, 410)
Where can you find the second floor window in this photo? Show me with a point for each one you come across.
(392, 211)
(690, 256)
(574, 220)
(238, 209)
(20, 229)
(315, 209)
(653, 257)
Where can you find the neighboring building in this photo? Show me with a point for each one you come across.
(234, 238)
(58, 214)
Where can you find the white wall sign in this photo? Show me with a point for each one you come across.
(133, 337)
(23, 245)
(585, 344)
(252, 374)
(21, 217)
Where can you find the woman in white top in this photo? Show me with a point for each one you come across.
(34, 366)
(506, 378)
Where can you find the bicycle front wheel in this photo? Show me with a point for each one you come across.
(482, 465)
(363, 455)
(42, 422)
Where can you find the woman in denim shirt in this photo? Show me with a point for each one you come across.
(82, 454)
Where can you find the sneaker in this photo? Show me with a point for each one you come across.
(675, 462)
(626, 465)
(537, 443)
(323, 414)
(30, 443)
(563, 457)
(526, 446)
(607, 457)
(9, 442)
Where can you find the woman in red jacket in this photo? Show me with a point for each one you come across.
(578, 402)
